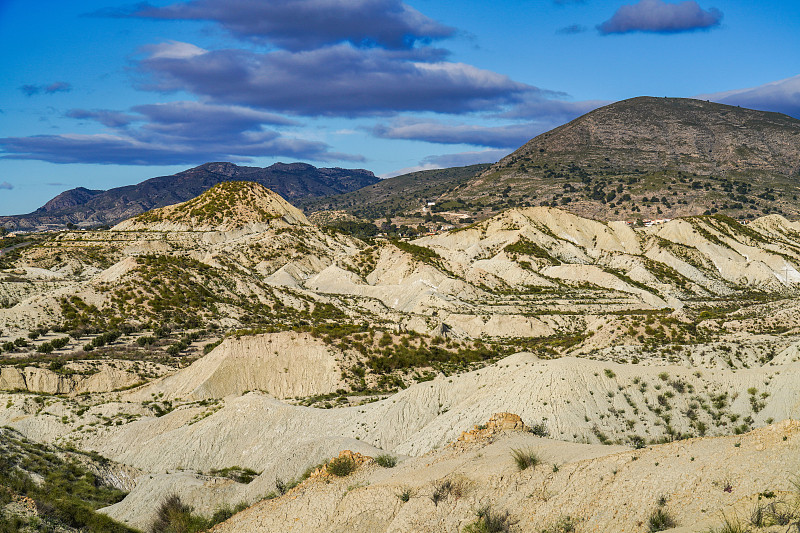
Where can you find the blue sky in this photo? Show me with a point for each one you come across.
(101, 93)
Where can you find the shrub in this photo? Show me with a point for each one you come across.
(731, 525)
(59, 342)
(565, 524)
(405, 495)
(174, 516)
(540, 429)
(385, 460)
(225, 512)
(145, 341)
(237, 474)
(45, 347)
(445, 488)
(489, 522)
(525, 458)
(341, 466)
(659, 520)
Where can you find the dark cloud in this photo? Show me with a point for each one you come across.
(572, 29)
(58, 87)
(781, 96)
(197, 119)
(657, 16)
(173, 133)
(30, 90)
(510, 136)
(6, 185)
(112, 119)
(308, 24)
(337, 80)
(55, 87)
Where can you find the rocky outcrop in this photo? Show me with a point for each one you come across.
(497, 423)
(42, 380)
(284, 365)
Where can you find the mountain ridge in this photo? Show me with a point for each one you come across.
(291, 181)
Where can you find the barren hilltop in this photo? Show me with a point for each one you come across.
(225, 363)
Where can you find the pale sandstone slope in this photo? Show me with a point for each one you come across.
(284, 365)
(602, 489)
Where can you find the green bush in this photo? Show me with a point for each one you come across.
(59, 343)
(45, 347)
(174, 516)
(525, 458)
(385, 460)
(489, 522)
(660, 520)
(565, 524)
(237, 473)
(341, 466)
(145, 341)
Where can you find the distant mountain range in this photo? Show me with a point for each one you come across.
(642, 158)
(85, 207)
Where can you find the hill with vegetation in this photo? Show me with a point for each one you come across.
(653, 158)
(224, 207)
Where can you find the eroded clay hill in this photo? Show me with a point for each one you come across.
(219, 357)
(225, 207)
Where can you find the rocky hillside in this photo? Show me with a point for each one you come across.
(227, 206)
(392, 196)
(653, 158)
(225, 348)
(90, 208)
(69, 199)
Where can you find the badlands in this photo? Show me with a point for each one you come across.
(534, 371)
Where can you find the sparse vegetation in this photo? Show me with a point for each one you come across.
(660, 519)
(489, 521)
(386, 461)
(446, 488)
(525, 459)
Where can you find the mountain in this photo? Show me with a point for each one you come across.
(652, 158)
(84, 207)
(69, 199)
